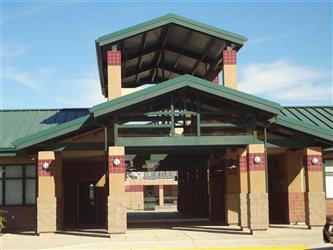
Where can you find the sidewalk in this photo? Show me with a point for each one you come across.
(175, 237)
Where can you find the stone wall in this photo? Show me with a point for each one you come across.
(258, 211)
(20, 218)
(315, 208)
(46, 214)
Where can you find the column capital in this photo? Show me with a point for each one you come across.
(113, 58)
(46, 159)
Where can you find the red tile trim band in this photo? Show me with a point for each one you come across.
(113, 58)
(134, 188)
(256, 166)
(229, 57)
(117, 169)
(46, 172)
(242, 164)
(312, 167)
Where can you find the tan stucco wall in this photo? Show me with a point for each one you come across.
(114, 81)
(230, 76)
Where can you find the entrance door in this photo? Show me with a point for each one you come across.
(87, 202)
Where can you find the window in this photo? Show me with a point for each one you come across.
(328, 173)
(17, 184)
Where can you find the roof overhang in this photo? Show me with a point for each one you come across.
(164, 48)
(100, 111)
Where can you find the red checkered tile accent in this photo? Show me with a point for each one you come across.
(50, 171)
(113, 57)
(229, 56)
(117, 169)
(134, 188)
(254, 166)
(312, 167)
(216, 79)
(242, 164)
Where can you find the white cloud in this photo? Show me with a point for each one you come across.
(24, 78)
(287, 82)
(87, 91)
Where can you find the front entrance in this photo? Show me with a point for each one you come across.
(86, 202)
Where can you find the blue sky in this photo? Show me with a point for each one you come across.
(49, 61)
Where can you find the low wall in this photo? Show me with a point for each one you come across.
(20, 218)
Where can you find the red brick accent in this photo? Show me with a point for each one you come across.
(254, 166)
(216, 79)
(242, 164)
(113, 58)
(229, 56)
(312, 167)
(329, 210)
(48, 172)
(296, 207)
(134, 188)
(20, 218)
(117, 169)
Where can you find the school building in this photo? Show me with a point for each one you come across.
(174, 128)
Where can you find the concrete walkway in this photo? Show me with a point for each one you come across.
(181, 237)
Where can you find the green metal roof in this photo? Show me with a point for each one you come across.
(21, 123)
(24, 128)
(171, 18)
(317, 116)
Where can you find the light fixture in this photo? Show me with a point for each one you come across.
(45, 165)
(116, 162)
(257, 159)
(314, 161)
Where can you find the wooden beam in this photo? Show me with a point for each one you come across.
(204, 55)
(143, 44)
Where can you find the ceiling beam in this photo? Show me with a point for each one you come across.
(189, 33)
(164, 38)
(204, 55)
(143, 44)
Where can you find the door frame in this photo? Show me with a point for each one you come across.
(78, 200)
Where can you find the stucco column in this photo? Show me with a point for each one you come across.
(232, 200)
(46, 199)
(243, 195)
(161, 195)
(295, 181)
(257, 196)
(315, 206)
(117, 221)
(229, 68)
(114, 74)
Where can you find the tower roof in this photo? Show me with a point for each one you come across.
(166, 47)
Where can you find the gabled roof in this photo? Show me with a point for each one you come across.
(21, 123)
(86, 118)
(164, 48)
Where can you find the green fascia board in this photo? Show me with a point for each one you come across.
(184, 141)
(307, 128)
(171, 18)
(181, 82)
(51, 133)
(8, 151)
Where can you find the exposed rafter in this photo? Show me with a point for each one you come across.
(204, 55)
(164, 38)
(143, 44)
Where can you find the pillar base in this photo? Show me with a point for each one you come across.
(46, 214)
(315, 209)
(117, 215)
(258, 211)
(232, 201)
(243, 213)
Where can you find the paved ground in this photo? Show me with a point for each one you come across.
(180, 236)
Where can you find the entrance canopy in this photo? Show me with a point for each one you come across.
(164, 48)
(185, 111)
